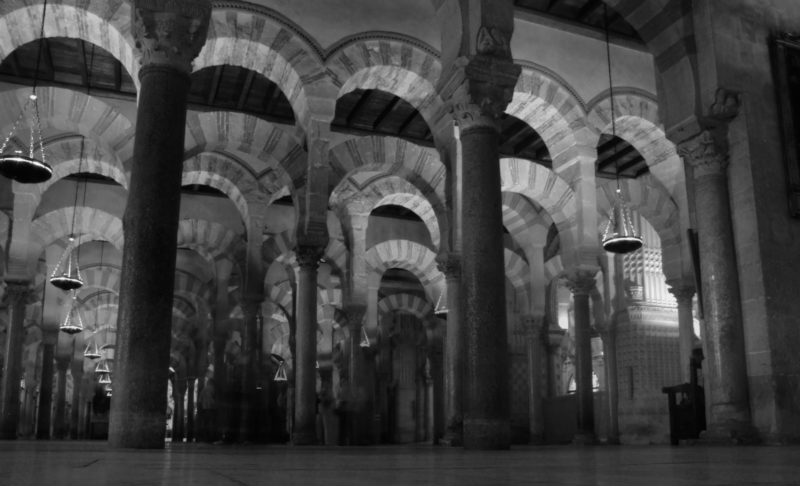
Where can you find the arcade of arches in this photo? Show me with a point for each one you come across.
(260, 188)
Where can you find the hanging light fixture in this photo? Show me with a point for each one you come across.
(441, 307)
(27, 169)
(280, 375)
(364, 338)
(102, 367)
(92, 350)
(70, 276)
(620, 235)
(105, 379)
(73, 323)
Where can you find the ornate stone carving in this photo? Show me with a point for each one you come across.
(683, 294)
(532, 325)
(170, 32)
(17, 292)
(707, 153)
(492, 42)
(726, 105)
(450, 266)
(581, 282)
(309, 256)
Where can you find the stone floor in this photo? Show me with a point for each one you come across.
(85, 463)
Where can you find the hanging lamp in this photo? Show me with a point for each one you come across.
(73, 323)
(364, 338)
(441, 307)
(102, 367)
(92, 350)
(70, 276)
(105, 379)
(280, 375)
(620, 235)
(17, 166)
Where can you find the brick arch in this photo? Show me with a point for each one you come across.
(58, 224)
(280, 297)
(64, 155)
(183, 307)
(549, 106)
(280, 248)
(220, 131)
(519, 274)
(261, 40)
(389, 63)
(101, 277)
(336, 256)
(546, 188)
(330, 297)
(105, 24)
(420, 308)
(407, 255)
(215, 239)
(526, 225)
(553, 268)
(211, 170)
(70, 111)
(189, 284)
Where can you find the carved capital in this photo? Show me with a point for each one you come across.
(170, 32)
(478, 90)
(17, 292)
(581, 282)
(309, 256)
(532, 325)
(493, 42)
(355, 316)
(707, 152)
(683, 294)
(726, 105)
(450, 266)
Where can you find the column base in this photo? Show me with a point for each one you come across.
(585, 440)
(304, 439)
(730, 434)
(482, 434)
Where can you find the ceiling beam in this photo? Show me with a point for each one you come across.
(212, 95)
(588, 10)
(526, 142)
(82, 60)
(47, 57)
(633, 163)
(14, 64)
(361, 104)
(615, 157)
(272, 100)
(248, 84)
(539, 17)
(512, 131)
(117, 75)
(408, 122)
(387, 112)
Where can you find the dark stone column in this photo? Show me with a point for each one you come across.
(178, 388)
(477, 91)
(77, 379)
(221, 388)
(730, 406)
(533, 329)
(151, 218)
(456, 352)
(17, 292)
(437, 375)
(248, 425)
(60, 421)
(305, 415)
(190, 411)
(46, 388)
(684, 296)
(581, 283)
(357, 375)
(609, 337)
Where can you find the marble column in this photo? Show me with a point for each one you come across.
(684, 295)
(178, 417)
(553, 363)
(46, 389)
(581, 283)
(17, 293)
(456, 354)
(356, 372)
(248, 425)
(151, 217)
(305, 416)
(533, 329)
(190, 410)
(730, 407)
(609, 337)
(75, 412)
(437, 376)
(60, 420)
(477, 92)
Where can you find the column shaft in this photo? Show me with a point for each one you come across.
(148, 262)
(177, 414)
(12, 369)
(248, 430)
(358, 434)
(74, 422)
(486, 404)
(437, 375)
(46, 389)
(305, 417)
(536, 413)
(583, 370)
(456, 355)
(610, 356)
(60, 420)
(685, 330)
(190, 411)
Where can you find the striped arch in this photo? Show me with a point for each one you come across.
(215, 171)
(336, 257)
(279, 296)
(189, 284)
(227, 133)
(105, 24)
(657, 207)
(96, 276)
(553, 268)
(549, 106)
(73, 112)
(280, 248)
(395, 66)
(407, 255)
(64, 155)
(183, 307)
(218, 241)
(331, 297)
(412, 304)
(546, 188)
(58, 224)
(524, 220)
(519, 274)
(263, 42)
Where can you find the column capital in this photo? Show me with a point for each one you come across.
(532, 325)
(581, 281)
(683, 293)
(477, 90)
(355, 315)
(450, 265)
(170, 32)
(308, 256)
(251, 305)
(707, 152)
(16, 291)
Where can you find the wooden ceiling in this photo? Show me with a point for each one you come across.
(588, 12)
(72, 63)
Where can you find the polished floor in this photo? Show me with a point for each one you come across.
(85, 463)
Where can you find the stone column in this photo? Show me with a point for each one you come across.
(477, 90)
(29, 424)
(169, 35)
(75, 413)
(17, 293)
(46, 389)
(455, 349)
(533, 329)
(730, 407)
(190, 411)
(553, 363)
(357, 375)
(305, 416)
(59, 422)
(581, 283)
(684, 296)
(609, 337)
(437, 376)
(248, 425)
(220, 388)
(179, 417)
